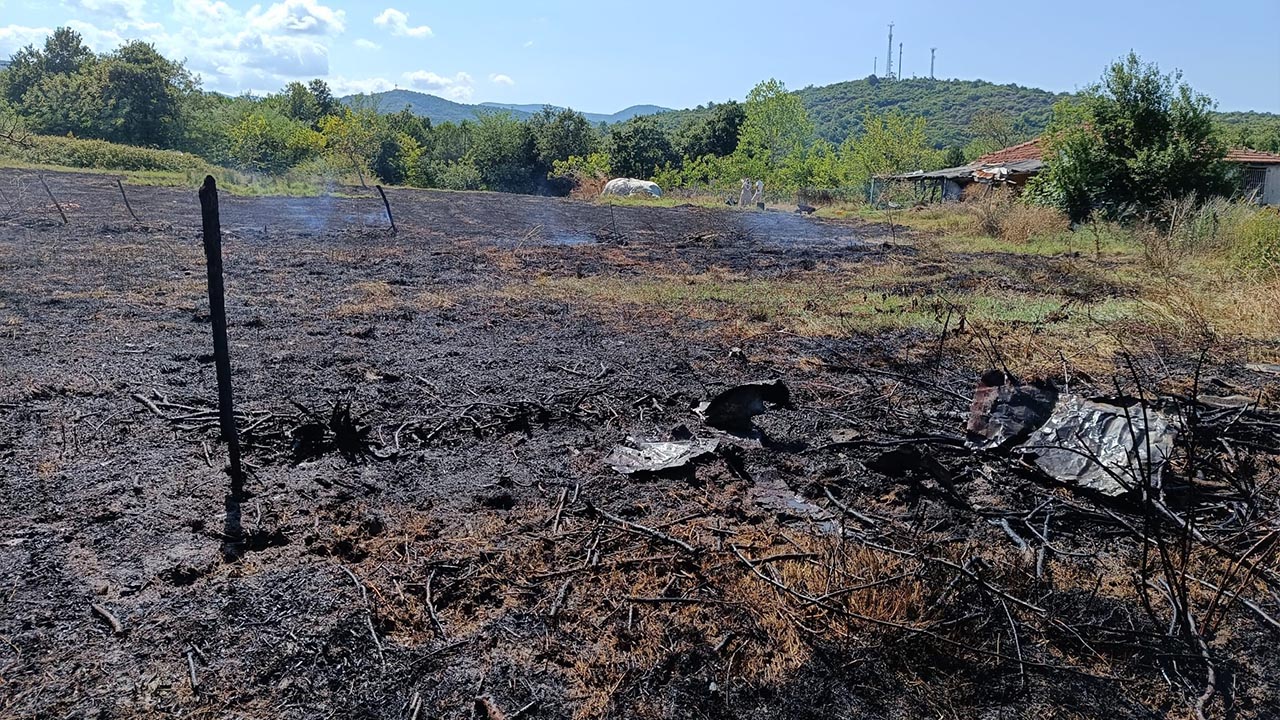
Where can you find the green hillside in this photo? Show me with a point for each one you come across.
(947, 105)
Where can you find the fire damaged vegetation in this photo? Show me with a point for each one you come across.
(682, 499)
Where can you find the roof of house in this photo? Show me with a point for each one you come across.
(1025, 158)
(1029, 150)
(1245, 156)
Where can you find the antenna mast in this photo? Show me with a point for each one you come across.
(899, 59)
(888, 61)
(932, 52)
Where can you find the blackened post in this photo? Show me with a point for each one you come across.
(127, 206)
(218, 315)
(388, 206)
(54, 199)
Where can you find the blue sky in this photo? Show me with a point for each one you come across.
(602, 56)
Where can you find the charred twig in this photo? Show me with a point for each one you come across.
(642, 529)
(431, 607)
(368, 612)
(116, 627)
(56, 204)
(558, 604)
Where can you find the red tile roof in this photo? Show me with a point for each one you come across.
(1245, 156)
(1029, 150)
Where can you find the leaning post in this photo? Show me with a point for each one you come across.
(218, 316)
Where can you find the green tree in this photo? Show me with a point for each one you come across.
(65, 52)
(297, 102)
(638, 148)
(1132, 142)
(142, 91)
(955, 157)
(353, 137)
(267, 141)
(713, 134)
(326, 105)
(775, 125)
(991, 130)
(502, 151)
(559, 135)
(890, 143)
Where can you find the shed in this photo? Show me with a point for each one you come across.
(1017, 164)
(1261, 174)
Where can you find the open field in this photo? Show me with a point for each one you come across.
(428, 416)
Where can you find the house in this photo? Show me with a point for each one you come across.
(1014, 166)
(1261, 171)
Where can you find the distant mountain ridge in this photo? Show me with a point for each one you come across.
(442, 110)
(837, 110)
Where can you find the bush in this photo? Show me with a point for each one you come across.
(103, 155)
(1023, 221)
(1255, 240)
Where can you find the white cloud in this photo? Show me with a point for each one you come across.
(348, 86)
(459, 87)
(398, 23)
(500, 79)
(528, 43)
(202, 11)
(367, 44)
(14, 37)
(118, 10)
(302, 17)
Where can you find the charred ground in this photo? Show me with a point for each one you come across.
(427, 416)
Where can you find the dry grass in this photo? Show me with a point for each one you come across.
(380, 299)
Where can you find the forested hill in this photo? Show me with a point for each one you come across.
(948, 106)
(442, 110)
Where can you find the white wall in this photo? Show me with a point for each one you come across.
(1271, 186)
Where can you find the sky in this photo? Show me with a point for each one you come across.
(604, 56)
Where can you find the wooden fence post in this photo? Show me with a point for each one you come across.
(218, 316)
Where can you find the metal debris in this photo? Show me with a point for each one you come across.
(1104, 447)
(1004, 414)
(734, 408)
(658, 456)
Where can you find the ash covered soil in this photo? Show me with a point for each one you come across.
(432, 529)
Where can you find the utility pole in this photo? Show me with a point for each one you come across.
(932, 52)
(899, 59)
(888, 62)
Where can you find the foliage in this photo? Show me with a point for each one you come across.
(1255, 240)
(265, 141)
(991, 130)
(502, 150)
(890, 143)
(100, 154)
(776, 127)
(559, 135)
(353, 136)
(1132, 141)
(638, 148)
(715, 134)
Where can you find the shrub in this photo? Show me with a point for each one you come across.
(1255, 240)
(103, 155)
(1023, 221)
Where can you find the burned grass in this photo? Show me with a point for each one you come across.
(427, 419)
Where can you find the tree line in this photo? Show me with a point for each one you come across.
(1118, 147)
(136, 96)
